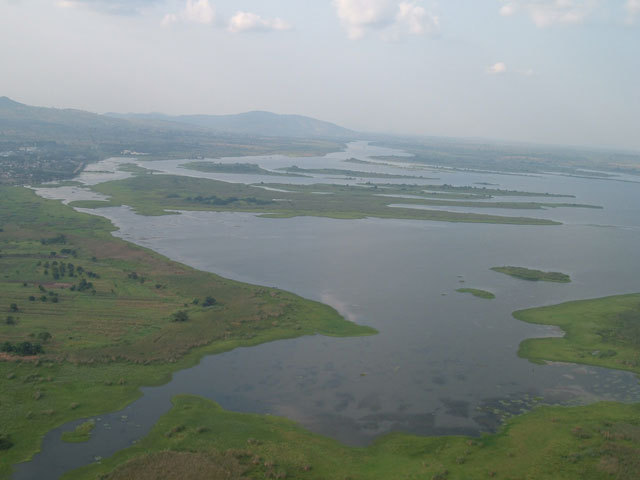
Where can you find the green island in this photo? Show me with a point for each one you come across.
(155, 194)
(477, 293)
(82, 432)
(238, 168)
(603, 332)
(348, 173)
(533, 275)
(87, 319)
(599, 441)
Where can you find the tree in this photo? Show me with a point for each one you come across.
(13, 307)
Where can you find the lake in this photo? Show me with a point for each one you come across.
(443, 362)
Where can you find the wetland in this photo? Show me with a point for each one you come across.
(439, 365)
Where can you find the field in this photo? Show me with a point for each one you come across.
(533, 275)
(154, 194)
(86, 319)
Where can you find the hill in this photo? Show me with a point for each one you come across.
(253, 123)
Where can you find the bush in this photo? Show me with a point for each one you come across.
(181, 316)
(10, 320)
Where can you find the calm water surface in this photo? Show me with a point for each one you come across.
(443, 363)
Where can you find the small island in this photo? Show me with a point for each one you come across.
(477, 293)
(533, 275)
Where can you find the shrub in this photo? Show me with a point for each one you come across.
(181, 316)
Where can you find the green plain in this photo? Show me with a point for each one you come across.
(155, 194)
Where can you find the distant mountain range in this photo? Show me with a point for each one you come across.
(252, 123)
(18, 119)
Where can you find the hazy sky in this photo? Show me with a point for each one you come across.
(556, 71)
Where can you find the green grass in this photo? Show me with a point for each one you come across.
(600, 441)
(602, 331)
(533, 275)
(155, 194)
(103, 346)
(82, 433)
(477, 293)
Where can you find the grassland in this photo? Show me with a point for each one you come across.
(103, 311)
(477, 293)
(599, 441)
(533, 275)
(237, 168)
(603, 332)
(154, 194)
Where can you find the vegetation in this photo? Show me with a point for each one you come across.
(477, 293)
(154, 194)
(82, 432)
(111, 329)
(238, 168)
(600, 441)
(533, 275)
(603, 332)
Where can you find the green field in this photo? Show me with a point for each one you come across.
(477, 293)
(104, 314)
(533, 275)
(155, 194)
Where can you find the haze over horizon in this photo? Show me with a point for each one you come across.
(541, 71)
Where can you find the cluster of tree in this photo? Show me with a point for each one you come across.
(22, 348)
(135, 276)
(5, 442)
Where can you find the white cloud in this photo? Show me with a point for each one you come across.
(194, 11)
(497, 68)
(251, 22)
(545, 13)
(633, 10)
(360, 16)
(416, 18)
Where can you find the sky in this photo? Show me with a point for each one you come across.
(542, 71)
